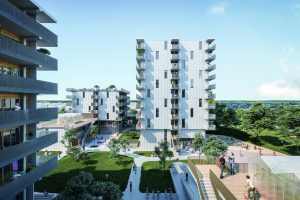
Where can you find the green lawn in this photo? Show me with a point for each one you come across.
(144, 153)
(269, 139)
(155, 178)
(99, 164)
(130, 137)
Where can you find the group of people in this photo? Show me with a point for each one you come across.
(231, 160)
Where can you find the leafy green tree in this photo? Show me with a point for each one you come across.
(84, 187)
(163, 153)
(198, 142)
(114, 148)
(44, 51)
(257, 118)
(94, 132)
(225, 116)
(214, 147)
(124, 144)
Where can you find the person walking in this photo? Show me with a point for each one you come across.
(249, 186)
(186, 177)
(130, 186)
(232, 163)
(222, 165)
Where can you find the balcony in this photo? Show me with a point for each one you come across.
(21, 117)
(211, 68)
(140, 106)
(140, 77)
(18, 151)
(175, 86)
(175, 47)
(175, 96)
(141, 67)
(19, 84)
(210, 58)
(211, 106)
(174, 127)
(210, 49)
(140, 116)
(174, 116)
(139, 126)
(140, 46)
(17, 21)
(94, 104)
(140, 87)
(211, 116)
(175, 76)
(211, 96)
(175, 57)
(211, 77)
(174, 66)
(11, 189)
(20, 54)
(211, 87)
(140, 57)
(94, 96)
(175, 105)
(211, 127)
(94, 111)
(209, 41)
(69, 97)
(139, 97)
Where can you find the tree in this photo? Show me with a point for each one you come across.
(225, 116)
(198, 142)
(94, 132)
(214, 147)
(114, 148)
(111, 87)
(44, 51)
(84, 187)
(257, 118)
(124, 144)
(163, 153)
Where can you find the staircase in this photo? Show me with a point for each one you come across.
(207, 188)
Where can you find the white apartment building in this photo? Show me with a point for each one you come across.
(174, 90)
(108, 105)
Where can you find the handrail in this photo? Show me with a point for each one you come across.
(194, 171)
(213, 183)
(219, 185)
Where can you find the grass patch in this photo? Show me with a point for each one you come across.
(144, 153)
(98, 164)
(156, 178)
(269, 139)
(130, 135)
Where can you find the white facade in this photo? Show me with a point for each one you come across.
(106, 105)
(173, 89)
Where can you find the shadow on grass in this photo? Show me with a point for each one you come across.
(273, 140)
(90, 162)
(292, 149)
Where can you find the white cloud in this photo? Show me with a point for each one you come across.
(279, 89)
(218, 8)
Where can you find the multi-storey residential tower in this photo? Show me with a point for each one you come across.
(173, 89)
(21, 33)
(108, 105)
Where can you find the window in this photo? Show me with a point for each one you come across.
(107, 94)
(157, 83)
(77, 102)
(157, 55)
(148, 123)
(101, 102)
(200, 102)
(83, 94)
(192, 83)
(148, 93)
(113, 108)
(157, 112)
(200, 73)
(107, 115)
(192, 55)
(192, 112)
(166, 74)
(183, 123)
(183, 64)
(89, 108)
(166, 102)
(183, 93)
(166, 45)
(200, 45)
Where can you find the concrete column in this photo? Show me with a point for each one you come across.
(29, 192)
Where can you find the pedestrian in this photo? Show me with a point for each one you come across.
(241, 153)
(186, 177)
(274, 154)
(232, 163)
(130, 186)
(260, 153)
(222, 165)
(250, 186)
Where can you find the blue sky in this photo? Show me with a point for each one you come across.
(258, 42)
